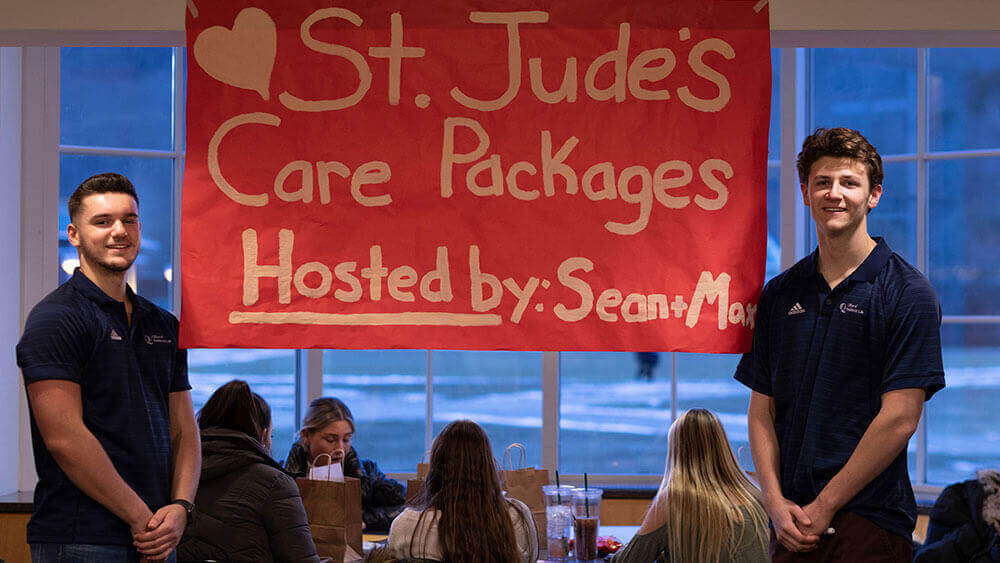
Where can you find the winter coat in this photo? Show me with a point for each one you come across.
(963, 522)
(382, 498)
(247, 508)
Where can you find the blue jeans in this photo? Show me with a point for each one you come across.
(87, 553)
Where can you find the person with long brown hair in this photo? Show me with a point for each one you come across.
(706, 510)
(461, 514)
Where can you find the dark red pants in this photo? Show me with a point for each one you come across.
(858, 540)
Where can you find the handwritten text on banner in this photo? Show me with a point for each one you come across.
(574, 175)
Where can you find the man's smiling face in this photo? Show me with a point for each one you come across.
(106, 231)
(839, 195)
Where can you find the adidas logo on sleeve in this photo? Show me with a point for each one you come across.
(796, 309)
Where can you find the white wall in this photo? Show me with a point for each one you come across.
(65, 22)
(123, 15)
(29, 223)
(10, 282)
(890, 15)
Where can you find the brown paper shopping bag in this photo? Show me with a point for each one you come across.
(334, 512)
(525, 484)
(415, 486)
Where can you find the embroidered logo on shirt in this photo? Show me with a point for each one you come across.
(796, 309)
(114, 335)
(851, 308)
(157, 339)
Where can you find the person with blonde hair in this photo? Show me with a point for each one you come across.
(462, 513)
(706, 510)
(327, 430)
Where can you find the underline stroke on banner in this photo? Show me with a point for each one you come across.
(366, 319)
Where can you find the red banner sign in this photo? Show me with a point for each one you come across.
(525, 175)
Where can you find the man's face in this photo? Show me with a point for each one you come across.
(106, 231)
(839, 195)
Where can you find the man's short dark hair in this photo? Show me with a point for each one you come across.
(104, 183)
(840, 142)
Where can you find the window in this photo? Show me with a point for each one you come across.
(386, 391)
(933, 114)
(116, 114)
(963, 257)
(502, 391)
(121, 110)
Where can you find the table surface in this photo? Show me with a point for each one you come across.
(622, 533)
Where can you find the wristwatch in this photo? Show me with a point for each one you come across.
(187, 506)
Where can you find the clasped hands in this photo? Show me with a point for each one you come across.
(161, 532)
(799, 528)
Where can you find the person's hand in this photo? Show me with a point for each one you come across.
(138, 525)
(789, 519)
(819, 517)
(163, 532)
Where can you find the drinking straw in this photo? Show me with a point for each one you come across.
(558, 494)
(586, 498)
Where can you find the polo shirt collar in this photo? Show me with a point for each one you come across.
(89, 289)
(867, 271)
(874, 263)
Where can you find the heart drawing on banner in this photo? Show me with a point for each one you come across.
(243, 56)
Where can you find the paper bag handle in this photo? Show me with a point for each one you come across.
(508, 458)
(328, 456)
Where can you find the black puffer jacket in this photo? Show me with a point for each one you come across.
(958, 531)
(382, 498)
(247, 508)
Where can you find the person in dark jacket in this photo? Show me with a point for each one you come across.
(247, 508)
(328, 428)
(964, 525)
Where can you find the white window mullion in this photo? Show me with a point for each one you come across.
(922, 241)
(673, 387)
(550, 410)
(794, 123)
(922, 132)
(429, 422)
(178, 142)
(308, 380)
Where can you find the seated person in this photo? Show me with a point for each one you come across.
(328, 428)
(461, 513)
(706, 508)
(965, 522)
(247, 508)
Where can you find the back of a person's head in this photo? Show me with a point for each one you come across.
(235, 407)
(461, 453)
(462, 483)
(703, 488)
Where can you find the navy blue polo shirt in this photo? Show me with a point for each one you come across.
(826, 357)
(126, 374)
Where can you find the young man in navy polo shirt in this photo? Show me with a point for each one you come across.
(846, 350)
(116, 444)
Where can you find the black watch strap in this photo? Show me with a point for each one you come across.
(187, 506)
